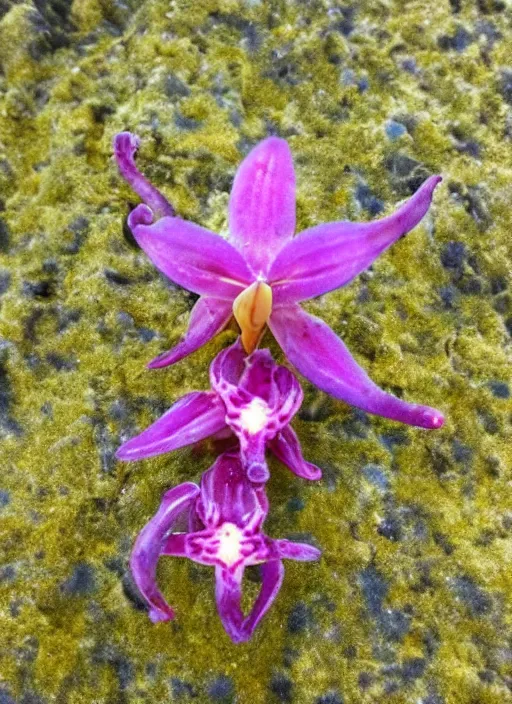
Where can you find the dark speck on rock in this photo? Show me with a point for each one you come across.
(7, 573)
(330, 698)
(368, 202)
(5, 280)
(407, 174)
(394, 130)
(394, 624)
(5, 498)
(457, 42)
(5, 697)
(374, 588)
(508, 325)
(123, 668)
(453, 255)
(499, 389)
(470, 285)
(390, 528)
(38, 289)
(357, 424)
(300, 618)
(447, 295)
(81, 582)
(146, 335)
(393, 438)
(132, 593)
(281, 686)
(473, 596)
(498, 285)
(31, 698)
(186, 123)
(181, 689)
(60, 363)
(345, 24)
(5, 236)
(376, 476)
(409, 65)
(506, 85)
(221, 689)
(114, 277)
(412, 668)
(461, 453)
(365, 680)
(295, 504)
(489, 422)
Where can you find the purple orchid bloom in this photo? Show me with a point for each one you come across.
(225, 517)
(252, 396)
(261, 273)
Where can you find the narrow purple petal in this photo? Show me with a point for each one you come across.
(194, 417)
(194, 258)
(318, 354)
(146, 551)
(272, 574)
(328, 256)
(262, 203)
(286, 448)
(228, 595)
(227, 367)
(125, 146)
(302, 552)
(208, 317)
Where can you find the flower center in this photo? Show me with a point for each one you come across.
(252, 309)
(254, 416)
(230, 542)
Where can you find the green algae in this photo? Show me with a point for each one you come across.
(411, 600)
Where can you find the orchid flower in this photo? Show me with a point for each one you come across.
(225, 516)
(252, 396)
(261, 273)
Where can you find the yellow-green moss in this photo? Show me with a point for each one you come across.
(422, 519)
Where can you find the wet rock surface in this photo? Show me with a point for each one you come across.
(411, 600)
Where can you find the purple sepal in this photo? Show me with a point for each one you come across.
(318, 354)
(125, 146)
(208, 317)
(328, 256)
(146, 551)
(194, 417)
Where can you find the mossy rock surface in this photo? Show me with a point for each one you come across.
(410, 602)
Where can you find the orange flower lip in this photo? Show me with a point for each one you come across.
(252, 309)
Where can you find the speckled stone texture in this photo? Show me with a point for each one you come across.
(411, 600)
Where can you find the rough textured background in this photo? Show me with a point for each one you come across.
(411, 600)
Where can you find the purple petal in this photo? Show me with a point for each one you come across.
(318, 354)
(146, 551)
(228, 595)
(272, 574)
(227, 496)
(262, 203)
(227, 367)
(328, 256)
(286, 448)
(302, 552)
(208, 317)
(193, 257)
(125, 146)
(194, 417)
